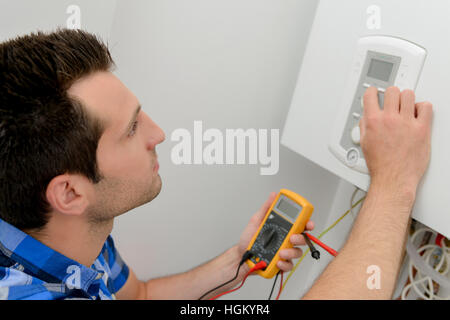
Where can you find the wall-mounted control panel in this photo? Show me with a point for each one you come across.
(381, 62)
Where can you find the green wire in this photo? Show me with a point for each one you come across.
(320, 236)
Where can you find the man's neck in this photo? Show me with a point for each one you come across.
(75, 238)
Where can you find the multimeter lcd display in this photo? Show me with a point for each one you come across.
(288, 209)
(380, 70)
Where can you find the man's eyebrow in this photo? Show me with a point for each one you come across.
(133, 119)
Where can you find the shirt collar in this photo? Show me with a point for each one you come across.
(42, 261)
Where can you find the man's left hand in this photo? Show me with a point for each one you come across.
(286, 255)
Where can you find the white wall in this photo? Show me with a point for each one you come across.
(23, 16)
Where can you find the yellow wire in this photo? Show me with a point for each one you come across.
(320, 236)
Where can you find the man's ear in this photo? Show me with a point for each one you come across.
(68, 194)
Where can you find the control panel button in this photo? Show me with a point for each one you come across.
(356, 135)
(352, 157)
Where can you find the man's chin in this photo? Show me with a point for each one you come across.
(155, 189)
(158, 188)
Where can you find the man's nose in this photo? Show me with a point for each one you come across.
(156, 137)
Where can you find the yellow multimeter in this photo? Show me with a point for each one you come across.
(287, 215)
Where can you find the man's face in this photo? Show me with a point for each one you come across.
(126, 153)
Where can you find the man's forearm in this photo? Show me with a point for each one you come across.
(194, 283)
(377, 239)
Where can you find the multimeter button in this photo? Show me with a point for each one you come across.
(356, 115)
(381, 90)
(356, 135)
(366, 85)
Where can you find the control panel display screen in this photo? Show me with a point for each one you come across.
(288, 209)
(380, 70)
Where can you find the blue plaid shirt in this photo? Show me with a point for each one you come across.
(31, 270)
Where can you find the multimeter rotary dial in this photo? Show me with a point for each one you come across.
(270, 240)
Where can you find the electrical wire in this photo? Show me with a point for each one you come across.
(352, 198)
(245, 256)
(320, 236)
(258, 266)
(281, 282)
(273, 286)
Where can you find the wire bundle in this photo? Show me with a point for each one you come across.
(437, 256)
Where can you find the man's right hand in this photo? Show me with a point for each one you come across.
(396, 144)
(396, 139)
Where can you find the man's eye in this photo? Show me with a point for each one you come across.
(133, 128)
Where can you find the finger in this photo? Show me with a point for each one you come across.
(297, 240)
(407, 104)
(263, 210)
(371, 105)
(424, 112)
(292, 253)
(392, 100)
(268, 202)
(285, 265)
(362, 127)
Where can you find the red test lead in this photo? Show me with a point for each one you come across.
(320, 243)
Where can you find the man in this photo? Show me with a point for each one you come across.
(76, 150)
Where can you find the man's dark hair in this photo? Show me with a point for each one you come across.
(44, 132)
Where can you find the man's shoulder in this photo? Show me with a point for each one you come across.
(15, 284)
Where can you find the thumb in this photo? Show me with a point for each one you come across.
(262, 211)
